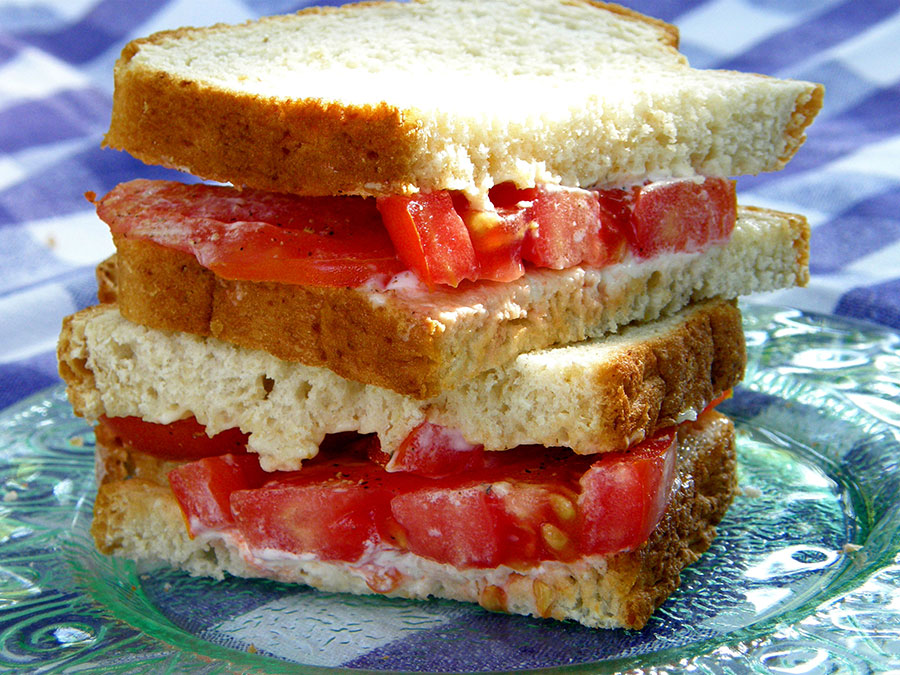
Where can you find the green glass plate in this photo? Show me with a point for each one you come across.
(803, 578)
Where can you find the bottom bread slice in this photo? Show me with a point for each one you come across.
(137, 516)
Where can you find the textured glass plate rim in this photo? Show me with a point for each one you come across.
(845, 580)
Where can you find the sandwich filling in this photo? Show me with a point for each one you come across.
(457, 506)
(441, 237)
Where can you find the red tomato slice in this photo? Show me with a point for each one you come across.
(203, 488)
(334, 521)
(435, 452)
(682, 215)
(498, 235)
(515, 508)
(430, 237)
(257, 235)
(623, 495)
(459, 526)
(184, 439)
(349, 241)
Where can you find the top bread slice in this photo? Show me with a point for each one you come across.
(447, 94)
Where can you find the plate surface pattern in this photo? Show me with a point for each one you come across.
(804, 577)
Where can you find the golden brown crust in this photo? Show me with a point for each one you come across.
(807, 108)
(73, 369)
(306, 146)
(668, 34)
(139, 517)
(657, 380)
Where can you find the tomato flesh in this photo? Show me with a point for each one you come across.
(203, 488)
(681, 216)
(434, 451)
(183, 439)
(513, 508)
(332, 521)
(570, 229)
(256, 235)
(623, 495)
(430, 237)
(498, 235)
(459, 526)
(350, 241)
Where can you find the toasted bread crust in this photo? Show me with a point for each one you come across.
(301, 146)
(138, 517)
(420, 344)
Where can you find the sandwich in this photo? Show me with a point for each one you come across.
(451, 313)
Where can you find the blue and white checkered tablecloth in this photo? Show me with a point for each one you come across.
(56, 60)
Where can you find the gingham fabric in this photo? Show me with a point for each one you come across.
(56, 61)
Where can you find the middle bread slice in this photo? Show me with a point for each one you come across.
(598, 395)
(421, 342)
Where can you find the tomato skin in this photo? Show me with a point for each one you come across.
(203, 487)
(681, 215)
(430, 237)
(624, 495)
(183, 439)
(256, 235)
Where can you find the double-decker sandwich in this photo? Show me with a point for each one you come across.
(458, 322)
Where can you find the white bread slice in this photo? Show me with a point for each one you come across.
(447, 94)
(421, 342)
(138, 517)
(597, 396)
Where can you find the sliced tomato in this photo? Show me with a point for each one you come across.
(349, 241)
(257, 235)
(203, 488)
(498, 234)
(430, 237)
(624, 495)
(459, 526)
(183, 439)
(334, 507)
(514, 508)
(434, 451)
(682, 215)
(333, 521)
(569, 228)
